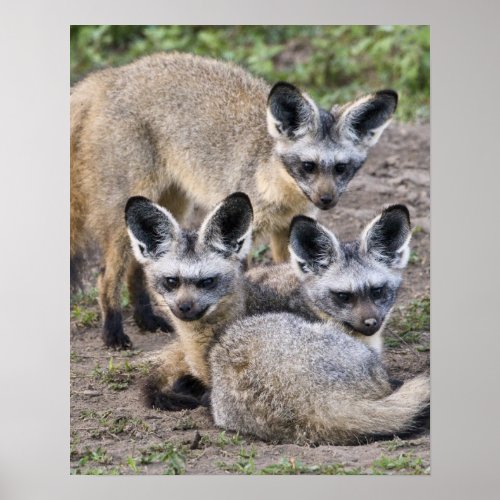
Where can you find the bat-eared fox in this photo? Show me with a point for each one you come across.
(178, 129)
(277, 375)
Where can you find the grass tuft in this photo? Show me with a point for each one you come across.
(405, 462)
(407, 324)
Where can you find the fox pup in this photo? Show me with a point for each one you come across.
(284, 379)
(178, 129)
(354, 283)
(366, 269)
(197, 280)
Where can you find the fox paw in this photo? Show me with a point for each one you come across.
(147, 320)
(113, 334)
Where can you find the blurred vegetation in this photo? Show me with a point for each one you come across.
(332, 63)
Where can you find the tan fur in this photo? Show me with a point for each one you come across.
(194, 339)
(116, 151)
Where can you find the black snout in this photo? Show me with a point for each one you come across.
(326, 201)
(185, 307)
(188, 311)
(369, 326)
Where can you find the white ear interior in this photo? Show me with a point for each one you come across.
(244, 243)
(348, 117)
(401, 255)
(301, 266)
(273, 126)
(139, 248)
(309, 120)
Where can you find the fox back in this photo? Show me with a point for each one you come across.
(211, 128)
(284, 379)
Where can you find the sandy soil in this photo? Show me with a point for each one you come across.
(113, 433)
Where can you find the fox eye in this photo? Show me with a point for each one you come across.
(171, 282)
(342, 297)
(308, 166)
(206, 283)
(340, 168)
(377, 292)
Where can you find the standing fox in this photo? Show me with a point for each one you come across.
(178, 128)
(197, 280)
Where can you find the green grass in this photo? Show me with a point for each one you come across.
(99, 455)
(95, 471)
(259, 253)
(414, 258)
(407, 324)
(118, 377)
(395, 444)
(333, 63)
(86, 298)
(224, 440)
(83, 316)
(405, 462)
(296, 467)
(168, 454)
(244, 465)
(185, 424)
(83, 308)
(107, 424)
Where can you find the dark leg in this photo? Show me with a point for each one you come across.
(110, 282)
(144, 315)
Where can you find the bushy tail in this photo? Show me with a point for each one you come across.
(187, 392)
(399, 413)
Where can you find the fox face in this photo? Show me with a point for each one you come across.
(356, 282)
(195, 274)
(322, 150)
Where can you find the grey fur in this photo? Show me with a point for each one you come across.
(283, 379)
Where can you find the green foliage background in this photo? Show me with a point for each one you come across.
(332, 63)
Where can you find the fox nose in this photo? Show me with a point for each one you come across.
(326, 199)
(185, 307)
(370, 322)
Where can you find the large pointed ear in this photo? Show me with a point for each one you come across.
(290, 113)
(387, 237)
(312, 247)
(151, 228)
(228, 228)
(364, 119)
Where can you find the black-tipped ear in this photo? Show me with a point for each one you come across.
(289, 112)
(367, 117)
(387, 237)
(312, 247)
(151, 228)
(228, 228)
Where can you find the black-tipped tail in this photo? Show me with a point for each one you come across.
(168, 400)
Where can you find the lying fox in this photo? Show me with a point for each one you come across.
(198, 280)
(179, 129)
(283, 379)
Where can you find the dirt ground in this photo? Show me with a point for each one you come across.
(113, 433)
